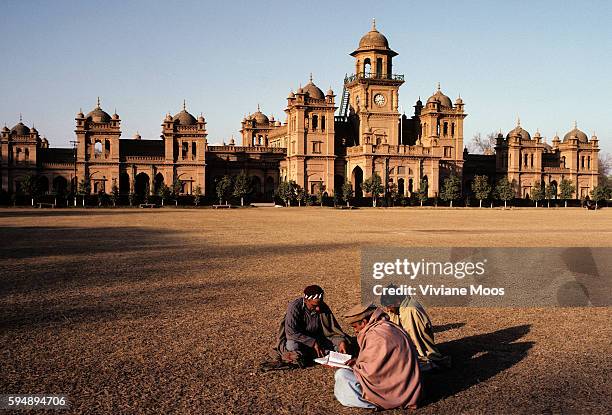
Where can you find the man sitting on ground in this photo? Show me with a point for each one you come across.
(309, 329)
(385, 374)
(408, 313)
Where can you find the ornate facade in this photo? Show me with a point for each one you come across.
(321, 143)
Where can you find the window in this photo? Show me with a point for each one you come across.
(589, 162)
(582, 162)
(194, 150)
(525, 160)
(26, 155)
(107, 148)
(401, 170)
(445, 128)
(315, 122)
(447, 151)
(323, 123)
(532, 160)
(452, 129)
(97, 149)
(316, 147)
(185, 149)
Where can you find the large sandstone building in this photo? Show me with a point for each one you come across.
(322, 142)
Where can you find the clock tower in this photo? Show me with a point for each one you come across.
(373, 91)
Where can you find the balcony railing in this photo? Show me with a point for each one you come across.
(373, 75)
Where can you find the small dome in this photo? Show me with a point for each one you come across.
(20, 129)
(201, 118)
(33, 130)
(313, 91)
(441, 98)
(261, 118)
(291, 95)
(419, 103)
(98, 115)
(232, 142)
(184, 118)
(329, 92)
(459, 101)
(537, 134)
(137, 136)
(5, 129)
(300, 90)
(80, 114)
(518, 130)
(575, 132)
(115, 116)
(168, 117)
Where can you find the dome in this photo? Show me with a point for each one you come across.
(80, 114)
(329, 92)
(441, 98)
(20, 129)
(459, 101)
(184, 118)
(5, 129)
(313, 91)
(98, 115)
(374, 40)
(168, 117)
(201, 118)
(582, 137)
(261, 118)
(291, 95)
(518, 130)
(115, 116)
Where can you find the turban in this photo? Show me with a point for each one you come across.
(313, 292)
(359, 312)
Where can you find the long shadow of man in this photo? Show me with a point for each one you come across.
(476, 359)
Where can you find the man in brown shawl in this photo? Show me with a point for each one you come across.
(308, 330)
(385, 374)
(408, 313)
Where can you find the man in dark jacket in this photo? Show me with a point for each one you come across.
(309, 329)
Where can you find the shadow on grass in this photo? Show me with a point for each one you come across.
(445, 327)
(476, 359)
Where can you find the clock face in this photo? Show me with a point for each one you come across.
(379, 99)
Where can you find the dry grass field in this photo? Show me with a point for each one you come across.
(171, 311)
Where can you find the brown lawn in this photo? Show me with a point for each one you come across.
(160, 311)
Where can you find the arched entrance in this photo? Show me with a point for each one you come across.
(43, 184)
(400, 186)
(158, 182)
(269, 188)
(60, 185)
(256, 185)
(141, 184)
(553, 188)
(357, 179)
(124, 183)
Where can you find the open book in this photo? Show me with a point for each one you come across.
(334, 359)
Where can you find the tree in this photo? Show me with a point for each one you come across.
(481, 188)
(29, 186)
(451, 189)
(224, 189)
(566, 190)
(287, 191)
(605, 169)
(422, 192)
(537, 192)
(347, 192)
(84, 189)
(549, 192)
(177, 188)
(132, 198)
(164, 192)
(147, 194)
(197, 195)
(114, 194)
(480, 145)
(320, 193)
(242, 187)
(300, 195)
(600, 193)
(373, 185)
(504, 190)
(393, 193)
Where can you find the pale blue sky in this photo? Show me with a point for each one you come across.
(549, 62)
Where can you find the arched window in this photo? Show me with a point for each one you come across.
(379, 65)
(445, 128)
(410, 185)
(184, 150)
(26, 155)
(563, 161)
(107, 148)
(315, 122)
(366, 67)
(97, 149)
(194, 150)
(438, 128)
(589, 162)
(323, 123)
(452, 129)
(581, 161)
(525, 160)
(400, 186)
(531, 160)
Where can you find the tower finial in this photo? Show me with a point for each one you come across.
(258, 107)
(98, 102)
(575, 124)
(438, 85)
(518, 121)
(20, 118)
(310, 76)
(374, 23)
(184, 105)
